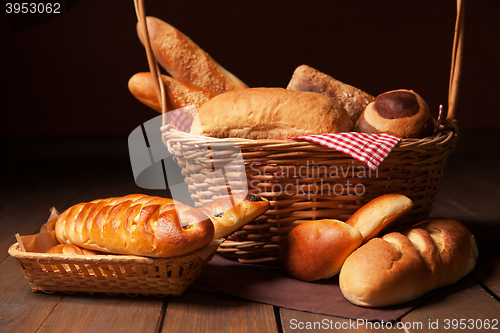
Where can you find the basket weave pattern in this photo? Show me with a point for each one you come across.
(110, 274)
(304, 181)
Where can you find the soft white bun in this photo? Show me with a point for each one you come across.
(400, 267)
(316, 250)
(379, 214)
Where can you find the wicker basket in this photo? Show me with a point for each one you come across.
(214, 167)
(111, 274)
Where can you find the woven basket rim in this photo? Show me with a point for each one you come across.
(446, 133)
(112, 259)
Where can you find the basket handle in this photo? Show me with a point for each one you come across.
(456, 61)
(455, 74)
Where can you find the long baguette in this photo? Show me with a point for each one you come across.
(400, 267)
(185, 60)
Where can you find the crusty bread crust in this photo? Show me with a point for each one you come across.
(270, 113)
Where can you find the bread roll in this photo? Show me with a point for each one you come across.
(185, 60)
(270, 113)
(135, 224)
(400, 267)
(402, 113)
(231, 213)
(379, 214)
(178, 93)
(72, 250)
(316, 250)
(354, 100)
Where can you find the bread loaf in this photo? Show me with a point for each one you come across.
(135, 224)
(178, 93)
(379, 214)
(72, 250)
(316, 250)
(354, 100)
(185, 60)
(231, 213)
(270, 113)
(402, 113)
(400, 267)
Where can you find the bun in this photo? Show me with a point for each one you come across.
(379, 214)
(270, 113)
(72, 250)
(231, 213)
(316, 250)
(400, 267)
(135, 224)
(185, 60)
(402, 113)
(178, 93)
(354, 100)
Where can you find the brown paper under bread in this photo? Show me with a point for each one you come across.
(135, 224)
(185, 60)
(354, 100)
(400, 267)
(178, 93)
(270, 113)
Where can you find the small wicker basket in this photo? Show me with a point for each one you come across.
(111, 274)
(213, 167)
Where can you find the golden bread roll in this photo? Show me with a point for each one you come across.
(185, 60)
(270, 113)
(72, 250)
(354, 100)
(400, 267)
(231, 213)
(178, 93)
(316, 250)
(402, 113)
(135, 224)
(379, 214)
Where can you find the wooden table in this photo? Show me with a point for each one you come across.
(39, 175)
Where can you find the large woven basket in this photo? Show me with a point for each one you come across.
(306, 181)
(111, 274)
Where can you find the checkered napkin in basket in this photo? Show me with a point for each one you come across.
(370, 149)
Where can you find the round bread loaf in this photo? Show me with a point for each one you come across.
(316, 250)
(270, 113)
(135, 224)
(402, 113)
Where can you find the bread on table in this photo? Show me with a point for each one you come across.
(230, 213)
(400, 267)
(135, 224)
(402, 113)
(316, 250)
(354, 100)
(178, 93)
(380, 214)
(72, 250)
(185, 60)
(270, 113)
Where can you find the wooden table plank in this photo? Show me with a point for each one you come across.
(488, 273)
(21, 310)
(102, 313)
(463, 300)
(300, 321)
(204, 312)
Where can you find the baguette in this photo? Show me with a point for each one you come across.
(400, 267)
(72, 250)
(270, 113)
(186, 61)
(179, 93)
(135, 224)
(354, 100)
(228, 214)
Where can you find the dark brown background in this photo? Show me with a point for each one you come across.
(67, 78)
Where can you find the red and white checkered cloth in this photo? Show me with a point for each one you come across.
(370, 149)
